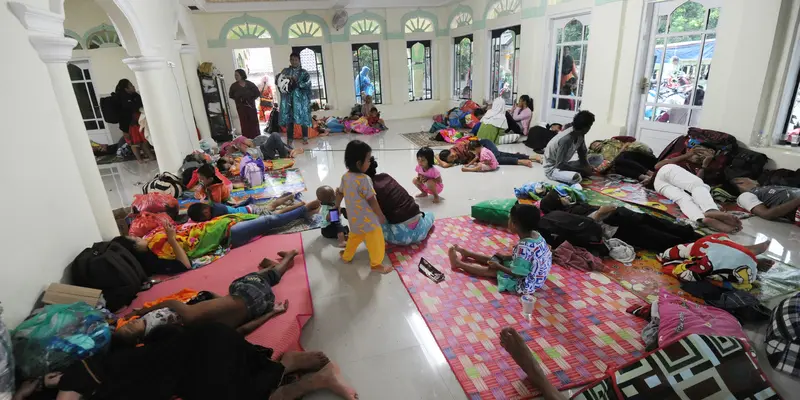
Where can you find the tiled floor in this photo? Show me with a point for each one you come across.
(366, 322)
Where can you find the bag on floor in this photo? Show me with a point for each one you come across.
(560, 226)
(155, 203)
(165, 182)
(110, 267)
(252, 171)
(746, 163)
(58, 336)
(538, 138)
(145, 222)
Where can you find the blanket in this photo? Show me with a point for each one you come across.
(196, 238)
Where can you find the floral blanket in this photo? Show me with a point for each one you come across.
(196, 238)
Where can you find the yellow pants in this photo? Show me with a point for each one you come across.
(376, 246)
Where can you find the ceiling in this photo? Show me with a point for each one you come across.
(284, 5)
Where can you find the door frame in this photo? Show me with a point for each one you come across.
(106, 131)
(547, 74)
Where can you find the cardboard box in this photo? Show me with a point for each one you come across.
(59, 293)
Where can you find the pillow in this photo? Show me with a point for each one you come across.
(679, 317)
(508, 138)
(495, 211)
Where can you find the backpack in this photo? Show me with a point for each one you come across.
(111, 108)
(746, 163)
(560, 226)
(538, 138)
(165, 182)
(110, 267)
(252, 171)
(724, 144)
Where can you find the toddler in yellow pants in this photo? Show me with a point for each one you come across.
(364, 212)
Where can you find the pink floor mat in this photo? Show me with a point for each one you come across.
(281, 333)
(579, 327)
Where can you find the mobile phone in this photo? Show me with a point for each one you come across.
(334, 214)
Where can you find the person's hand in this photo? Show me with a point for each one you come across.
(52, 379)
(281, 308)
(26, 389)
(707, 161)
(169, 230)
(339, 192)
(382, 219)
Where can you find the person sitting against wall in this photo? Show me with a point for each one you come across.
(519, 117)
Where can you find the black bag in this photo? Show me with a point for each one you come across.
(111, 108)
(110, 267)
(746, 163)
(560, 226)
(165, 182)
(539, 137)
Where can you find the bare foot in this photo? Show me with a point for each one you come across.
(421, 195)
(527, 163)
(759, 248)
(516, 347)
(330, 377)
(764, 264)
(342, 244)
(646, 181)
(288, 254)
(266, 263)
(452, 253)
(382, 269)
(295, 361)
(437, 199)
(728, 219)
(341, 255)
(312, 207)
(718, 225)
(537, 158)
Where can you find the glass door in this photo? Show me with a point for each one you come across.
(682, 38)
(88, 102)
(569, 40)
(505, 64)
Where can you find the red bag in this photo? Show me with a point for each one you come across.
(147, 221)
(154, 202)
(469, 106)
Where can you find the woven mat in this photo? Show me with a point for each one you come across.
(423, 139)
(579, 327)
(275, 183)
(644, 278)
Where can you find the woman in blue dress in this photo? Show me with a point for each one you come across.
(295, 99)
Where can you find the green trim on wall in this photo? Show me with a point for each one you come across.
(304, 16)
(461, 8)
(602, 2)
(222, 40)
(394, 35)
(491, 5)
(419, 13)
(366, 15)
(72, 34)
(534, 12)
(97, 29)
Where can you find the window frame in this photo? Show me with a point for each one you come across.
(376, 72)
(322, 84)
(427, 77)
(494, 49)
(791, 90)
(550, 111)
(457, 89)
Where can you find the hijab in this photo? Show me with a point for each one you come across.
(496, 115)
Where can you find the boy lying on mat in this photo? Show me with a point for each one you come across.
(249, 304)
(524, 270)
(199, 212)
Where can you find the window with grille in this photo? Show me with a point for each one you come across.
(367, 71)
(504, 48)
(462, 67)
(420, 86)
(311, 61)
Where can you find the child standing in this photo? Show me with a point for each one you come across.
(523, 271)
(363, 211)
(484, 161)
(428, 180)
(330, 229)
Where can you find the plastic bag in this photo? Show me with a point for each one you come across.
(146, 222)
(154, 202)
(57, 336)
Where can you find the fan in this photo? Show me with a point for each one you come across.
(339, 19)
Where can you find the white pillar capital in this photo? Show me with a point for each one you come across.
(189, 49)
(38, 20)
(139, 64)
(53, 50)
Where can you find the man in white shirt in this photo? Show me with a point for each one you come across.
(768, 202)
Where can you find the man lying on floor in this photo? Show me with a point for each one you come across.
(769, 202)
(203, 362)
(249, 304)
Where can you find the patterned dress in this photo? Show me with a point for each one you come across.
(296, 105)
(531, 262)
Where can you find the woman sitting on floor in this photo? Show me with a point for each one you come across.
(493, 123)
(523, 271)
(206, 362)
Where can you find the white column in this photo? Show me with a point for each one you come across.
(176, 67)
(45, 32)
(190, 63)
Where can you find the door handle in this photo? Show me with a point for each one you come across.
(644, 84)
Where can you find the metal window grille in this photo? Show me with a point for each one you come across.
(367, 55)
(498, 41)
(427, 84)
(311, 61)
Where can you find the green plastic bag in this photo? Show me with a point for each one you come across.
(57, 336)
(495, 211)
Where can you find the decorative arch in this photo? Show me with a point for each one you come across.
(366, 27)
(244, 27)
(460, 17)
(101, 36)
(306, 26)
(420, 21)
(502, 8)
(72, 34)
(355, 19)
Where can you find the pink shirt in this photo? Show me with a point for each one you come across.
(523, 117)
(431, 173)
(487, 157)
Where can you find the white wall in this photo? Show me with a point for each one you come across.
(38, 244)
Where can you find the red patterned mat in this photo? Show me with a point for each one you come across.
(630, 191)
(579, 327)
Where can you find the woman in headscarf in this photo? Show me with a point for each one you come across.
(493, 123)
(296, 102)
(245, 93)
(363, 83)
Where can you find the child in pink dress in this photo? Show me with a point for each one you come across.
(428, 180)
(484, 161)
